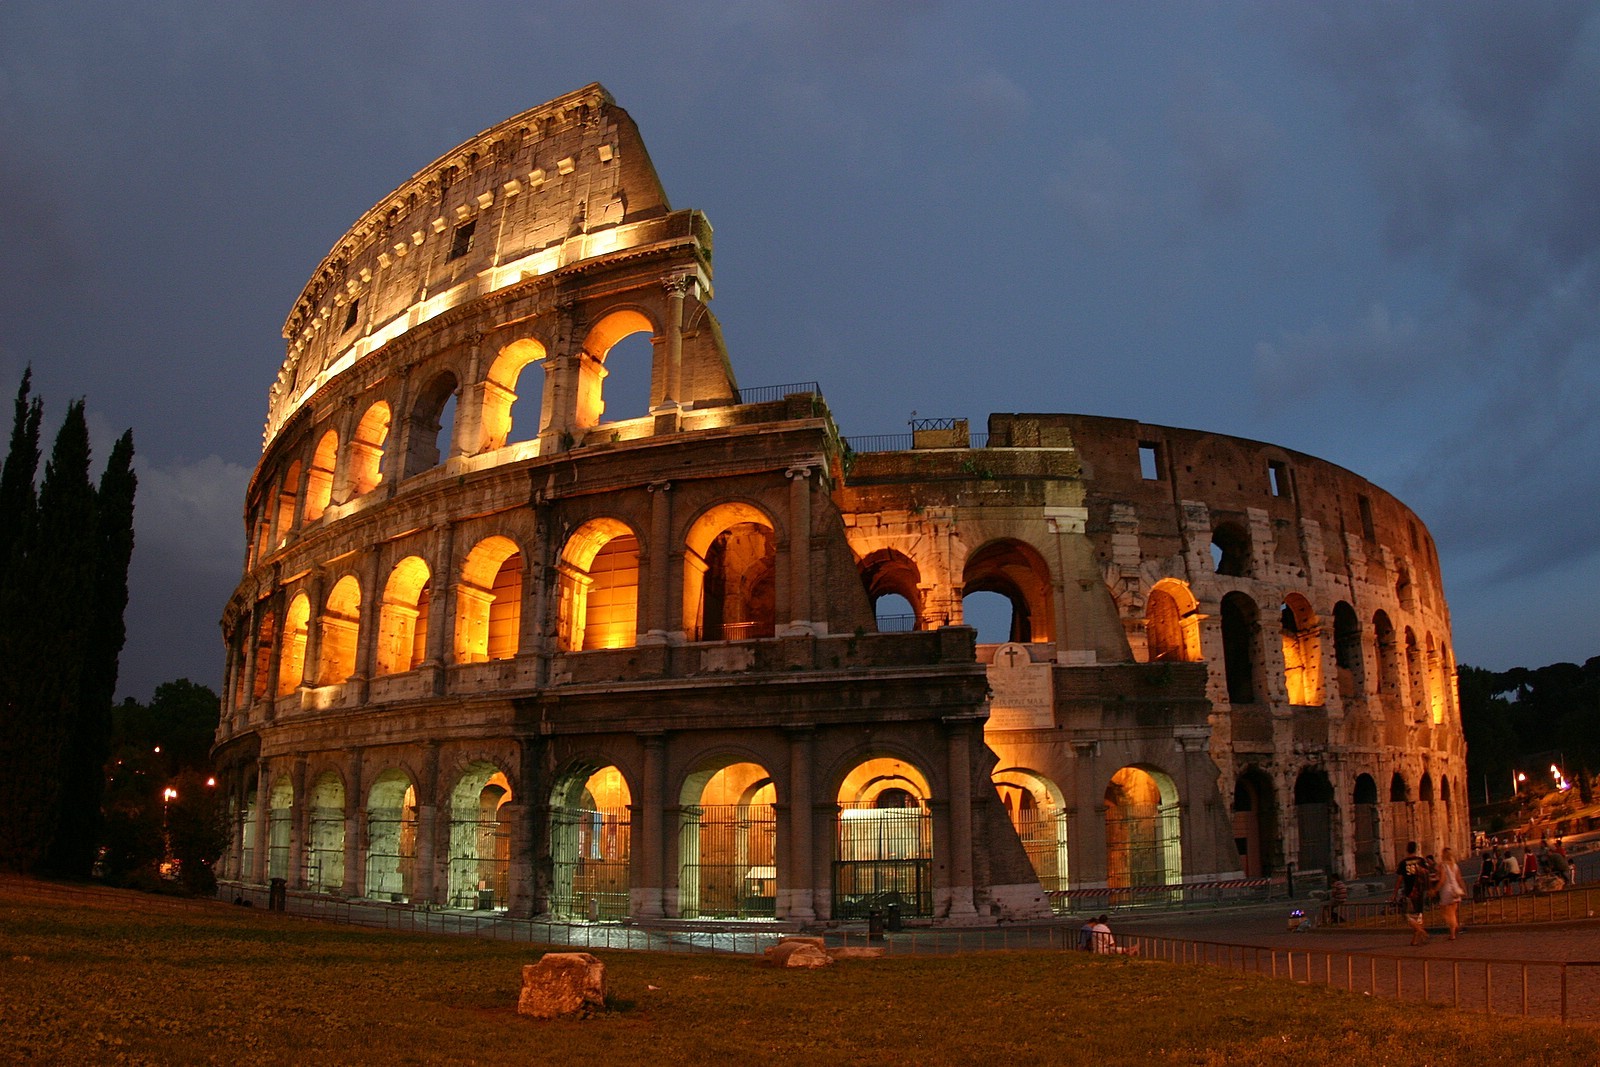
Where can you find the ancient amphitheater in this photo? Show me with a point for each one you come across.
(500, 645)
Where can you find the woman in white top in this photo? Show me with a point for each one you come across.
(1451, 890)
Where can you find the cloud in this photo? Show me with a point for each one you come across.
(1224, 142)
(188, 514)
(1380, 355)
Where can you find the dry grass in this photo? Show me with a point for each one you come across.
(99, 976)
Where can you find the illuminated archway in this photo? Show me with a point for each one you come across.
(288, 494)
(1017, 572)
(431, 411)
(1172, 623)
(512, 395)
(727, 841)
(1038, 813)
(489, 602)
(1302, 651)
(391, 837)
(266, 634)
(1416, 677)
(403, 618)
(884, 846)
(319, 478)
(729, 574)
(1436, 684)
(292, 660)
(1143, 844)
(597, 345)
(366, 449)
(324, 852)
(280, 811)
(893, 576)
(341, 621)
(480, 839)
(598, 579)
(590, 844)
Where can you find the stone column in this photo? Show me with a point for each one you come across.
(340, 491)
(441, 605)
(672, 388)
(311, 664)
(263, 798)
(355, 827)
(800, 550)
(359, 683)
(656, 583)
(299, 817)
(959, 749)
(525, 829)
(797, 898)
(275, 655)
(649, 874)
(1088, 849)
(393, 464)
(427, 824)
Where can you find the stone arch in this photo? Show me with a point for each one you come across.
(507, 396)
(1416, 677)
(602, 337)
(280, 820)
(1313, 812)
(590, 843)
(1230, 549)
(489, 601)
(1172, 623)
(883, 852)
(1241, 649)
(1434, 666)
(1302, 651)
(366, 449)
(319, 476)
(889, 572)
(266, 635)
(480, 838)
(1016, 571)
(1038, 812)
(288, 494)
(1255, 822)
(1426, 835)
(1386, 656)
(1143, 835)
(1368, 826)
(339, 625)
(391, 837)
(403, 617)
(1347, 651)
(598, 587)
(1402, 825)
(292, 659)
(324, 851)
(425, 421)
(730, 574)
(727, 842)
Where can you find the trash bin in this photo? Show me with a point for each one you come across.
(875, 924)
(891, 919)
(278, 895)
(486, 900)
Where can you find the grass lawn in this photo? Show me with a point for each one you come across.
(100, 976)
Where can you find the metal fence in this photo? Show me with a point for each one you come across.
(763, 394)
(1563, 906)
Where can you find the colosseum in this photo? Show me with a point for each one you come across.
(503, 643)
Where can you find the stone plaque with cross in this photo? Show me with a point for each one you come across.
(1021, 688)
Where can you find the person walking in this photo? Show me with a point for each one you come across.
(1413, 890)
(1451, 890)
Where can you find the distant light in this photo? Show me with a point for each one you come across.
(158, 748)
(211, 781)
(169, 793)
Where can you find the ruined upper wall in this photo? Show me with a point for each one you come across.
(557, 184)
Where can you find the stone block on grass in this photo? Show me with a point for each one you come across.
(563, 985)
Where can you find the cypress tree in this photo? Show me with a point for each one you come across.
(18, 505)
(17, 500)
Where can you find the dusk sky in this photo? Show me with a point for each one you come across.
(1366, 231)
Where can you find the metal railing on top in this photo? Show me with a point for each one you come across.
(762, 394)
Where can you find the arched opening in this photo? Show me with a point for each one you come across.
(1255, 823)
(598, 595)
(319, 478)
(1241, 648)
(403, 618)
(630, 396)
(280, 817)
(391, 837)
(1402, 826)
(513, 395)
(1427, 834)
(341, 621)
(260, 675)
(1435, 668)
(480, 839)
(1302, 651)
(433, 410)
(1386, 656)
(590, 845)
(246, 871)
(1038, 813)
(1018, 573)
(1347, 651)
(1172, 623)
(1416, 679)
(884, 846)
(1368, 827)
(489, 602)
(893, 585)
(729, 572)
(366, 449)
(1313, 811)
(1230, 550)
(990, 614)
(324, 851)
(727, 841)
(1143, 842)
(288, 494)
(292, 661)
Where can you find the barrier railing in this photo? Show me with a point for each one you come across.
(1186, 894)
(1564, 905)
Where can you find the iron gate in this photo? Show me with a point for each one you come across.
(728, 861)
(885, 857)
(590, 853)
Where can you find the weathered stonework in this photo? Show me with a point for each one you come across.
(542, 657)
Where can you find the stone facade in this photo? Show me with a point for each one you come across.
(496, 646)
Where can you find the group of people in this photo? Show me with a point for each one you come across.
(1503, 873)
(1419, 878)
(1095, 936)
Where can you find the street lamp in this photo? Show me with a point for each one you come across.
(1517, 778)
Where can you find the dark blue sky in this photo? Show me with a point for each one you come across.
(1370, 232)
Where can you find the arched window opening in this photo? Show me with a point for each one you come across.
(366, 449)
(266, 634)
(1039, 815)
(1436, 676)
(246, 869)
(991, 614)
(1230, 550)
(513, 395)
(631, 395)
(1172, 623)
(280, 811)
(1386, 655)
(1399, 792)
(598, 595)
(1426, 833)
(1143, 843)
(893, 585)
(403, 619)
(1302, 651)
(1240, 647)
(324, 851)
(1404, 592)
(729, 575)
(391, 838)
(319, 478)
(489, 602)
(480, 839)
(627, 378)
(341, 620)
(590, 845)
(1416, 678)
(1347, 651)
(727, 842)
(1255, 823)
(292, 662)
(288, 494)
(1368, 827)
(884, 846)
(1017, 572)
(1313, 809)
(433, 410)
